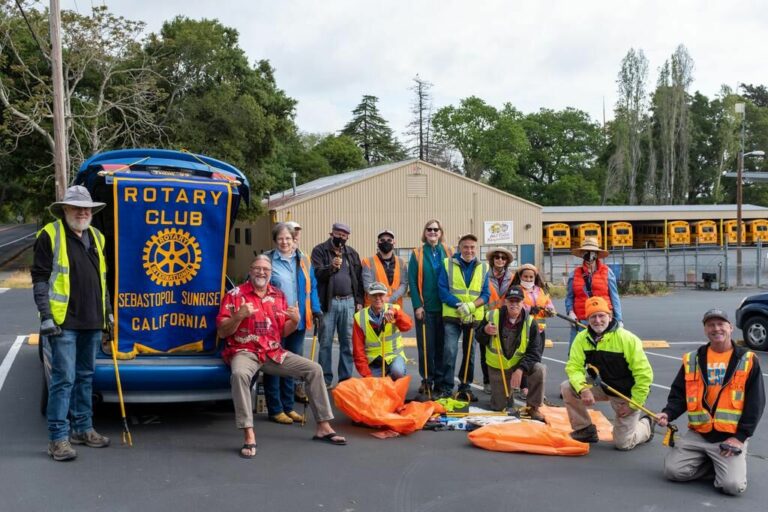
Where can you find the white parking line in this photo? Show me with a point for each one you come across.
(3, 290)
(9, 357)
(678, 358)
(563, 363)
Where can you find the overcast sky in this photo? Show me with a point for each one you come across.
(534, 54)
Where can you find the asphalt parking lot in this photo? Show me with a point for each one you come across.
(185, 456)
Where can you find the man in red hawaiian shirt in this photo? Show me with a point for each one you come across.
(253, 318)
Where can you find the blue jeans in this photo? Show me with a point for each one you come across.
(73, 359)
(338, 319)
(435, 342)
(395, 369)
(279, 391)
(452, 333)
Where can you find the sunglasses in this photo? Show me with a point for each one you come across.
(432, 230)
(500, 257)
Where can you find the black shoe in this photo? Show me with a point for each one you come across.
(587, 434)
(651, 424)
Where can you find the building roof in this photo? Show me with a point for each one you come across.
(337, 181)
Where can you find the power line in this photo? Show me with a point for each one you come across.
(31, 30)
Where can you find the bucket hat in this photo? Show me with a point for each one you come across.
(78, 196)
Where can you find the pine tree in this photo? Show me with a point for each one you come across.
(372, 134)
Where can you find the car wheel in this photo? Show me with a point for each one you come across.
(756, 333)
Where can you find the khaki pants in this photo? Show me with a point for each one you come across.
(628, 431)
(693, 457)
(245, 365)
(535, 386)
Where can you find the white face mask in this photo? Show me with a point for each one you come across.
(528, 285)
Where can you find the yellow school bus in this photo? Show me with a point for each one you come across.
(651, 235)
(729, 232)
(704, 232)
(619, 234)
(757, 230)
(580, 232)
(557, 236)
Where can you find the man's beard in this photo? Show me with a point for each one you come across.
(259, 282)
(77, 224)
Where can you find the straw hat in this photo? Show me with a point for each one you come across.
(590, 244)
(497, 250)
(75, 196)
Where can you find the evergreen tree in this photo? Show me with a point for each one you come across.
(372, 134)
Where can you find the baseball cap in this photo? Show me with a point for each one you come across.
(515, 292)
(385, 232)
(468, 236)
(715, 313)
(340, 226)
(377, 288)
(293, 225)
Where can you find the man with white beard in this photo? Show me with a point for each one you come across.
(69, 282)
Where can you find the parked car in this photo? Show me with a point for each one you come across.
(168, 262)
(752, 319)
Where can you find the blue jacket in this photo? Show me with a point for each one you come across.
(466, 269)
(301, 294)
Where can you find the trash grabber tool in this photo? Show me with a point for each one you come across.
(669, 438)
(311, 358)
(383, 361)
(424, 352)
(126, 435)
(507, 394)
(575, 323)
(465, 396)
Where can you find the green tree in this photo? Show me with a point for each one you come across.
(490, 141)
(341, 153)
(372, 134)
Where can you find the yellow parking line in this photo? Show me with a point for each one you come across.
(655, 344)
(33, 339)
(409, 342)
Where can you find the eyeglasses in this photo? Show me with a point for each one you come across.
(261, 270)
(500, 257)
(432, 230)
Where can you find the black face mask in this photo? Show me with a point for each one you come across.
(386, 247)
(338, 241)
(589, 257)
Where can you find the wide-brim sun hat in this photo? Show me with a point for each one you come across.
(77, 196)
(502, 250)
(590, 245)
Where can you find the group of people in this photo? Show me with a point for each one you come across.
(454, 295)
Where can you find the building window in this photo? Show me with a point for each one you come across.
(237, 235)
(416, 185)
(248, 236)
(231, 251)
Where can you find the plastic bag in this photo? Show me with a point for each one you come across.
(527, 436)
(380, 402)
(557, 418)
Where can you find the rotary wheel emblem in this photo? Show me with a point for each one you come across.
(172, 257)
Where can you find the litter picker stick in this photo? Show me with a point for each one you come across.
(311, 358)
(424, 353)
(466, 364)
(126, 435)
(549, 313)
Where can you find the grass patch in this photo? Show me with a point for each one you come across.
(643, 288)
(557, 291)
(19, 279)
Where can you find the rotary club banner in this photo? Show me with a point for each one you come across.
(171, 238)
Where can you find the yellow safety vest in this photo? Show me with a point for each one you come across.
(493, 351)
(58, 283)
(460, 290)
(389, 341)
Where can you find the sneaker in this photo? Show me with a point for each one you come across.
(90, 438)
(587, 434)
(487, 388)
(61, 450)
(535, 414)
(296, 417)
(282, 419)
(651, 424)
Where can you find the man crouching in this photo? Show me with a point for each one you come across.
(253, 318)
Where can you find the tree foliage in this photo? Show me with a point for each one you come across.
(372, 134)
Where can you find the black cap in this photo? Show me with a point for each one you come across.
(715, 313)
(515, 292)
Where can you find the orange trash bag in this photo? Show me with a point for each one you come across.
(380, 402)
(527, 436)
(557, 418)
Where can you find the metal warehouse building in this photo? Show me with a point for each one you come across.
(402, 197)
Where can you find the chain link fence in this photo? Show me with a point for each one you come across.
(704, 267)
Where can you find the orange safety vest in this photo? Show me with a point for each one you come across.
(381, 276)
(730, 401)
(305, 265)
(599, 289)
(542, 299)
(496, 300)
(419, 252)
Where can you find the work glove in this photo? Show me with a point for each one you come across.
(463, 310)
(572, 316)
(49, 328)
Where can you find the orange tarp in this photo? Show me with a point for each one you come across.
(527, 436)
(380, 402)
(557, 418)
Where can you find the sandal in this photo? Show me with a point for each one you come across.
(329, 438)
(252, 450)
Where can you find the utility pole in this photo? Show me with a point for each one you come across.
(60, 160)
(740, 108)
